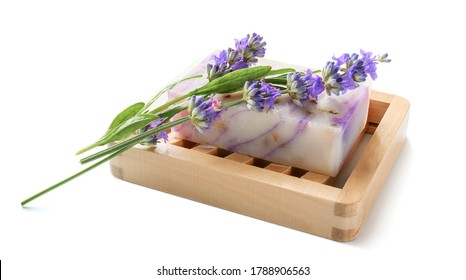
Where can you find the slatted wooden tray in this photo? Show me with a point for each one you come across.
(275, 193)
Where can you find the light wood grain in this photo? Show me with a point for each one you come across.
(210, 150)
(316, 177)
(280, 168)
(280, 194)
(240, 158)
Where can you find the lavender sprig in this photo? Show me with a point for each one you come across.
(347, 71)
(246, 53)
(250, 48)
(338, 76)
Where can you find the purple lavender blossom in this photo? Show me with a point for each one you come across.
(203, 113)
(235, 60)
(271, 93)
(354, 75)
(216, 71)
(260, 94)
(347, 71)
(341, 60)
(222, 58)
(300, 87)
(315, 85)
(246, 53)
(154, 139)
(346, 59)
(296, 86)
(369, 64)
(334, 82)
(251, 47)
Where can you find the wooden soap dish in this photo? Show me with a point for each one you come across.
(283, 195)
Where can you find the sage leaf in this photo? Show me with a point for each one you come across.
(122, 117)
(125, 115)
(126, 128)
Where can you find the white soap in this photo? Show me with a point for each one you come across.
(316, 137)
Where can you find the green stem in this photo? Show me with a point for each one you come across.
(87, 148)
(39, 194)
(168, 114)
(233, 103)
(276, 80)
(134, 140)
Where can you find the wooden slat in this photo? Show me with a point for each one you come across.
(181, 142)
(316, 177)
(175, 140)
(240, 158)
(280, 168)
(206, 149)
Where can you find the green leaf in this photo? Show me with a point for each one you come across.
(280, 71)
(122, 117)
(125, 115)
(126, 128)
(233, 80)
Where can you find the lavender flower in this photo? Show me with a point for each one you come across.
(334, 82)
(235, 60)
(246, 53)
(296, 86)
(347, 71)
(369, 64)
(251, 47)
(354, 75)
(225, 62)
(301, 87)
(315, 85)
(346, 59)
(220, 67)
(216, 71)
(154, 139)
(260, 94)
(203, 113)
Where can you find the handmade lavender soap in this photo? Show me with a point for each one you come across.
(315, 137)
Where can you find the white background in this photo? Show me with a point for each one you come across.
(67, 67)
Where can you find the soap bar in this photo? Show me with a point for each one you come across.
(316, 137)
